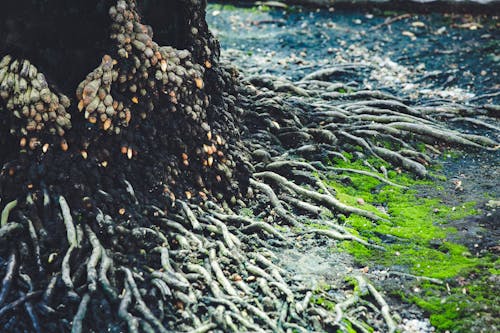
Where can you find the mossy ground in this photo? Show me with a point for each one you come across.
(416, 239)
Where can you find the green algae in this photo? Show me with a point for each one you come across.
(230, 7)
(327, 304)
(350, 329)
(416, 239)
(247, 212)
(457, 308)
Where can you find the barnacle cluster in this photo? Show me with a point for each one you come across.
(32, 107)
(170, 109)
(94, 97)
(155, 87)
(142, 74)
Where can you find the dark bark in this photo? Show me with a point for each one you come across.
(116, 109)
(167, 124)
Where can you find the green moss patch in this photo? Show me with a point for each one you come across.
(416, 240)
(229, 7)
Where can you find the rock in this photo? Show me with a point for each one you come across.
(493, 204)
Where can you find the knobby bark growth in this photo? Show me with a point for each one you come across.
(59, 95)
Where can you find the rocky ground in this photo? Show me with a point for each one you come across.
(435, 60)
(419, 56)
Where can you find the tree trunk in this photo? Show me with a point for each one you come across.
(138, 88)
(106, 108)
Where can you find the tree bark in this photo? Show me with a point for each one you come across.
(111, 111)
(136, 86)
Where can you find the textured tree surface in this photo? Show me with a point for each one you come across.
(94, 105)
(125, 149)
(54, 80)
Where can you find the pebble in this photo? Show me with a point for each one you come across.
(409, 34)
(493, 204)
(416, 326)
(440, 31)
(418, 24)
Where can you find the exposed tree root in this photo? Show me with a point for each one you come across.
(6, 211)
(202, 268)
(325, 199)
(290, 126)
(201, 273)
(369, 121)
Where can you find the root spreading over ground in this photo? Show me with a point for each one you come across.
(139, 226)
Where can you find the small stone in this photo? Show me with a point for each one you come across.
(493, 204)
(409, 34)
(440, 31)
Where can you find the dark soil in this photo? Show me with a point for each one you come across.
(479, 177)
(440, 53)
